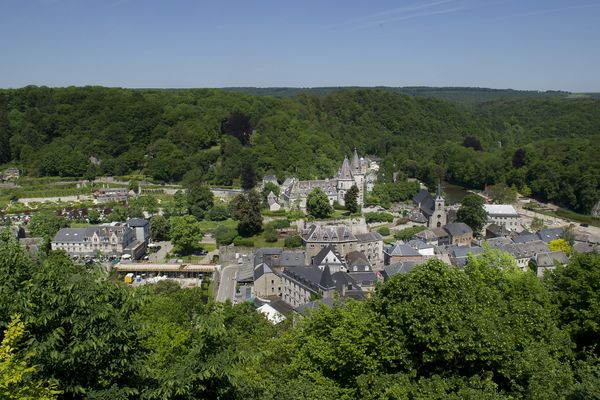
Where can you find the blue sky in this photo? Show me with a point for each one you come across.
(520, 44)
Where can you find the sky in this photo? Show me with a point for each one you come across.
(518, 44)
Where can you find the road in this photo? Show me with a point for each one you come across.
(227, 283)
(159, 256)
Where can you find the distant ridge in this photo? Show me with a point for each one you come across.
(464, 95)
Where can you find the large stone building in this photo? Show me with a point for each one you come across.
(352, 172)
(344, 241)
(105, 240)
(502, 215)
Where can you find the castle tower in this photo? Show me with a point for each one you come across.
(438, 218)
(359, 176)
(345, 180)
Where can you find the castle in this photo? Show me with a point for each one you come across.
(357, 172)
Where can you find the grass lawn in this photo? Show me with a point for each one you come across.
(209, 246)
(212, 225)
(259, 241)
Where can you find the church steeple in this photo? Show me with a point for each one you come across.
(345, 172)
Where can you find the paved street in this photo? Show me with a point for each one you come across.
(159, 256)
(227, 283)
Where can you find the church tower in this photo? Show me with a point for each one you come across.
(438, 218)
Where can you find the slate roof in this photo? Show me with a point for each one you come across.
(137, 222)
(401, 250)
(357, 258)
(499, 241)
(584, 247)
(323, 253)
(546, 260)
(355, 164)
(291, 258)
(345, 172)
(548, 235)
(526, 237)
(77, 235)
(328, 233)
(369, 237)
(403, 267)
(425, 202)
(281, 306)
(313, 305)
(341, 280)
(458, 228)
(463, 251)
(367, 278)
(261, 269)
(419, 244)
(309, 276)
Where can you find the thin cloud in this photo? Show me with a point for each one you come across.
(553, 10)
(409, 16)
(404, 10)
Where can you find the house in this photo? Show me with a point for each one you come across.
(549, 261)
(276, 311)
(92, 241)
(142, 228)
(351, 173)
(343, 240)
(328, 256)
(266, 282)
(269, 179)
(278, 257)
(105, 195)
(399, 252)
(460, 254)
(460, 234)
(548, 235)
(273, 202)
(503, 215)
(301, 284)
(356, 261)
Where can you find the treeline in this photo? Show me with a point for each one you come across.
(545, 147)
(489, 331)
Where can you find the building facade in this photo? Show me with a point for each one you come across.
(99, 240)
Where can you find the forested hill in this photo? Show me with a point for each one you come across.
(544, 146)
(463, 95)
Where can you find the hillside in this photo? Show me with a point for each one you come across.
(212, 135)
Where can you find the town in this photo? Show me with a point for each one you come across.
(321, 256)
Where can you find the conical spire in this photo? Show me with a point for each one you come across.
(439, 192)
(355, 162)
(326, 281)
(345, 172)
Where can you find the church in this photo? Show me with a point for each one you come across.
(432, 209)
(352, 172)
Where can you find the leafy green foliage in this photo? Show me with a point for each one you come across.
(199, 200)
(293, 241)
(268, 188)
(270, 234)
(472, 213)
(317, 204)
(371, 217)
(351, 199)
(46, 225)
(225, 235)
(408, 233)
(219, 212)
(247, 211)
(186, 234)
(160, 228)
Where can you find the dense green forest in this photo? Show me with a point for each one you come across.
(489, 331)
(545, 146)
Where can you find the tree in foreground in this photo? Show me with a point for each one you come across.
(472, 213)
(351, 199)
(317, 204)
(248, 176)
(186, 234)
(160, 228)
(46, 225)
(16, 376)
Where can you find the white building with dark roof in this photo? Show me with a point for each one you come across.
(105, 240)
(503, 215)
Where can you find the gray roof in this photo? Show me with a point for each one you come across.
(367, 278)
(308, 276)
(369, 237)
(548, 235)
(355, 164)
(357, 258)
(499, 241)
(261, 269)
(546, 260)
(328, 233)
(403, 267)
(322, 254)
(281, 306)
(424, 200)
(463, 251)
(400, 250)
(419, 244)
(526, 237)
(313, 305)
(327, 281)
(71, 235)
(584, 247)
(458, 228)
(137, 222)
(345, 172)
(291, 258)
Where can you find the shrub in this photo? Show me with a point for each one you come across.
(270, 235)
(243, 242)
(407, 233)
(378, 217)
(219, 212)
(293, 241)
(225, 235)
(384, 231)
(278, 224)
